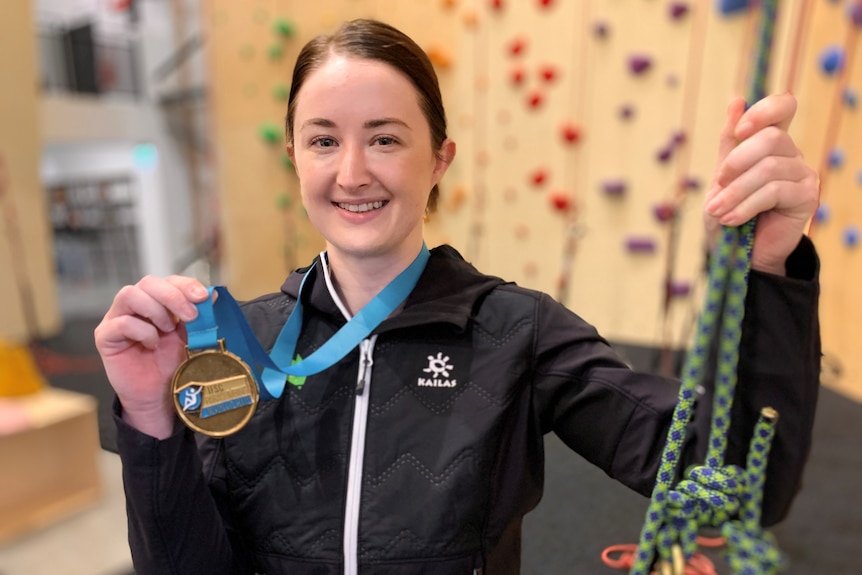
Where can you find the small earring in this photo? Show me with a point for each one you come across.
(427, 216)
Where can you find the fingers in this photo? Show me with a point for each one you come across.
(160, 300)
(725, 201)
(119, 333)
(775, 110)
(727, 139)
(769, 142)
(153, 306)
(765, 199)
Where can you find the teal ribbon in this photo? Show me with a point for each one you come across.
(224, 320)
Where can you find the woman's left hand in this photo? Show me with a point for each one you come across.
(760, 172)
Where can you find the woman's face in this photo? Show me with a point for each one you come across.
(362, 150)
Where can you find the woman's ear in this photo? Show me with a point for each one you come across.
(444, 158)
(291, 152)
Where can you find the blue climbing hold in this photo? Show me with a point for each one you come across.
(850, 98)
(822, 213)
(851, 236)
(836, 158)
(727, 7)
(832, 59)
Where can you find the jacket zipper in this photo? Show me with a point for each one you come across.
(357, 455)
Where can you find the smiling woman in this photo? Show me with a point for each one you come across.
(367, 170)
(414, 442)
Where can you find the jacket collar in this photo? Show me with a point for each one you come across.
(448, 291)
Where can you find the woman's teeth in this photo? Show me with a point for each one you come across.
(360, 208)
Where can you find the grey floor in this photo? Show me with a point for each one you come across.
(92, 542)
(582, 511)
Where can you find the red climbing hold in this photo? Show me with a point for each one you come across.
(517, 76)
(548, 73)
(571, 132)
(538, 177)
(517, 46)
(535, 99)
(561, 202)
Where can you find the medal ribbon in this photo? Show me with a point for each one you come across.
(224, 319)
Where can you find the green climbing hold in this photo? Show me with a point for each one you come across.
(275, 52)
(246, 52)
(270, 133)
(284, 28)
(284, 202)
(281, 92)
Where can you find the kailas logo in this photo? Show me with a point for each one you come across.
(438, 368)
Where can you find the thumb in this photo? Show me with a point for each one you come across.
(727, 139)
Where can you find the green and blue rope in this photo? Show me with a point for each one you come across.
(710, 494)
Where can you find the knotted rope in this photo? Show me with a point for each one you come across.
(714, 493)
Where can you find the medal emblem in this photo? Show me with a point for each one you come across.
(214, 391)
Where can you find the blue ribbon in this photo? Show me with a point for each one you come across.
(224, 319)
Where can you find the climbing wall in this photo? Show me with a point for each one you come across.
(830, 134)
(586, 134)
(26, 264)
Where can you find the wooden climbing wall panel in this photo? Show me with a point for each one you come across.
(576, 125)
(26, 259)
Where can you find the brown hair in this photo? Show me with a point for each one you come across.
(375, 40)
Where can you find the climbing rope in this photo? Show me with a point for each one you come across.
(713, 494)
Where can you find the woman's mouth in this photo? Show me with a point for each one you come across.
(362, 208)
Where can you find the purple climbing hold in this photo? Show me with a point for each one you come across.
(640, 244)
(854, 11)
(627, 111)
(614, 188)
(691, 184)
(678, 10)
(664, 154)
(600, 30)
(678, 288)
(639, 63)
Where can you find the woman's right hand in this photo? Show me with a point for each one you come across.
(142, 341)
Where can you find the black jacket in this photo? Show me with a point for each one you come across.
(450, 399)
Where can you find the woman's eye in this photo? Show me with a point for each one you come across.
(385, 141)
(323, 142)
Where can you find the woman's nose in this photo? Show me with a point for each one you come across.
(353, 168)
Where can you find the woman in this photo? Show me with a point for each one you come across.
(421, 449)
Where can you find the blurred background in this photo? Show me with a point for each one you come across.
(146, 137)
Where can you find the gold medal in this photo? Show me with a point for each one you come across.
(214, 391)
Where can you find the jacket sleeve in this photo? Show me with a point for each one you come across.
(618, 418)
(177, 526)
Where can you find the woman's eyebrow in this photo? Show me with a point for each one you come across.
(321, 122)
(370, 124)
(383, 122)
